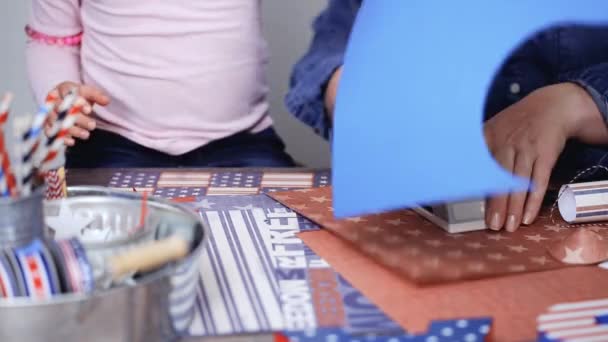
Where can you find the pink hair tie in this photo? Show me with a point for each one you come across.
(50, 40)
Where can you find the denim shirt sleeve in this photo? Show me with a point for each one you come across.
(594, 80)
(310, 76)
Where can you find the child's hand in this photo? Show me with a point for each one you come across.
(84, 123)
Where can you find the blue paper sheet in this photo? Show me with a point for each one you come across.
(408, 114)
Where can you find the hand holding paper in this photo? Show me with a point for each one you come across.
(422, 142)
(527, 139)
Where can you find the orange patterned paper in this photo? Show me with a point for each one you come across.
(424, 253)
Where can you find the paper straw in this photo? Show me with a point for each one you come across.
(64, 108)
(31, 138)
(5, 106)
(3, 181)
(57, 146)
(6, 167)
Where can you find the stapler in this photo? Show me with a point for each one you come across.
(456, 217)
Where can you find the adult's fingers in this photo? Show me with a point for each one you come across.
(496, 207)
(541, 175)
(523, 168)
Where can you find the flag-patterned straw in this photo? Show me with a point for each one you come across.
(5, 106)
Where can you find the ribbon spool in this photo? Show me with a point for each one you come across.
(9, 287)
(73, 265)
(36, 270)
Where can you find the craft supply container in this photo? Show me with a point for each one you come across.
(112, 219)
(21, 219)
(158, 307)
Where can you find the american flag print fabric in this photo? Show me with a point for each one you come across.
(575, 322)
(183, 180)
(288, 180)
(422, 252)
(465, 330)
(186, 184)
(258, 276)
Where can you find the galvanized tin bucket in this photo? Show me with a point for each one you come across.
(159, 307)
(20, 220)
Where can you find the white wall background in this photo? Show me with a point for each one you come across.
(287, 25)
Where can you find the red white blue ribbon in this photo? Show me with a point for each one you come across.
(34, 269)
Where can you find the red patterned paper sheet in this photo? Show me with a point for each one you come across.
(424, 253)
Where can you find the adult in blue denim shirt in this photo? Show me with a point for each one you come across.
(545, 113)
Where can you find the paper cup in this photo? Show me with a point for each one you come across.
(584, 202)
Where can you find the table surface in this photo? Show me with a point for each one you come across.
(101, 177)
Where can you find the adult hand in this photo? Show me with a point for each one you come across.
(527, 139)
(84, 123)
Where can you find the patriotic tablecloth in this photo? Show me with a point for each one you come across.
(257, 276)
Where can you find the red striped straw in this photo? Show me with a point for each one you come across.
(4, 192)
(11, 182)
(32, 136)
(5, 107)
(63, 110)
(28, 168)
(32, 139)
(57, 146)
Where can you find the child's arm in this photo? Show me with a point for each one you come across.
(53, 57)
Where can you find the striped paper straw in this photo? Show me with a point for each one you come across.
(31, 137)
(6, 167)
(65, 107)
(3, 181)
(57, 146)
(5, 106)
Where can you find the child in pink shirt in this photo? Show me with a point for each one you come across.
(169, 83)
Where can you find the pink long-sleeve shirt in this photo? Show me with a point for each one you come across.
(180, 73)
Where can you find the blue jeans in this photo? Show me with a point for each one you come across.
(108, 150)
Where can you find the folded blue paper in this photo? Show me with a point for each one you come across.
(408, 121)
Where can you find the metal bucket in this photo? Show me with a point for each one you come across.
(159, 307)
(20, 221)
